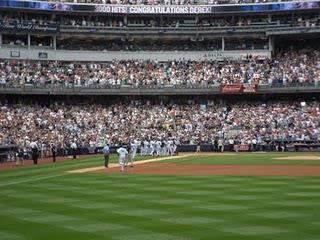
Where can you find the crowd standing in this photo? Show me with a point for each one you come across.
(289, 68)
(157, 128)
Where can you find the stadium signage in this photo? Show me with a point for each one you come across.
(249, 88)
(238, 88)
(27, 27)
(153, 9)
(242, 147)
(159, 9)
(231, 88)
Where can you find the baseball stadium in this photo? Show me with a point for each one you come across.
(159, 119)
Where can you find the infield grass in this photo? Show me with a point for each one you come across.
(44, 202)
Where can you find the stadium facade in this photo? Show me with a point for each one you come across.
(200, 52)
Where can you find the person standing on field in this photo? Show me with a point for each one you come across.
(34, 152)
(221, 145)
(122, 153)
(54, 152)
(74, 149)
(106, 153)
(20, 157)
(198, 147)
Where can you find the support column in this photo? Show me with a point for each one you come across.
(54, 42)
(271, 43)
(0, 40)
(125, 21)
(222, 43)
(29, 41)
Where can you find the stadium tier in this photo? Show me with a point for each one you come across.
(293, 68)
(207, 52)
(187, 122)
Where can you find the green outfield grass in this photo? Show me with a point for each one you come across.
(44, 202)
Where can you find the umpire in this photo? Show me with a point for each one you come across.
(106, 153)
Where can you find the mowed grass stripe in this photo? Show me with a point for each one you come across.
(126, 193)
(78, 224)
(148, 224)
(39, 230)
(173, 201)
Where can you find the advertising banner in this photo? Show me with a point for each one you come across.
(249, 88)
(238, 88)
(231, 88)
(242, 147)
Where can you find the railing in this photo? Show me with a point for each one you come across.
(259, 26)
(95, 89)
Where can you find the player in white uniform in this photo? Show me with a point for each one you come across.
(176, 143)
(134, 147)
(133, 151)
(146, 148)
(158, 148)
(142, 148)
(152, 147)
(122, 152)
(170, 148)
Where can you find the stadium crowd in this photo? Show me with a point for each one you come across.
(187, 122)
(289, 68)
(101, 23)
(157, 46)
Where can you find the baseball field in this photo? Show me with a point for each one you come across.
(227, 196)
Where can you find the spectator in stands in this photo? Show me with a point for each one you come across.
(297, 68)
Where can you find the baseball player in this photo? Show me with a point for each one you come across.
(158, 148)
(134, 147)
(175, 146)
(122, 153)
(20, 157)
(170, 148)
(146, 147)
(152, 148)
(143, 148)
(163, 148)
